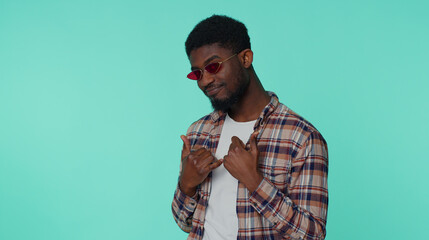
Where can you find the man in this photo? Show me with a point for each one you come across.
(253, 168)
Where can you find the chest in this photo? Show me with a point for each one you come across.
(277, 148)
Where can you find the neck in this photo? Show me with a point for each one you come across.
(252, 103)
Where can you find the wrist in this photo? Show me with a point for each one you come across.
(254, 183)
(188, 191)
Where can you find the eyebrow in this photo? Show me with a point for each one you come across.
(207, 61)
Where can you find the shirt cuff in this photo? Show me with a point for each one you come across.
(264, 195)
(189, 203)
(266, 200)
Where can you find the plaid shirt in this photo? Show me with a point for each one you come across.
(291, 201)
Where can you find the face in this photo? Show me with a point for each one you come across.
(226, 87)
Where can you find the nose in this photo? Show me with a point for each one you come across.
(206, 79)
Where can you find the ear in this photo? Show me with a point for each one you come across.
(246, 57)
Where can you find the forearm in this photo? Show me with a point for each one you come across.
(287, 217)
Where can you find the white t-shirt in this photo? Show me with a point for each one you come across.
(221, 220)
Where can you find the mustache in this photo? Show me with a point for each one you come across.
(212, 85)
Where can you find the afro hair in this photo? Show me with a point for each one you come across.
(225, 31)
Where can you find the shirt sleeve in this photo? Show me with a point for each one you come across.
(183, 208)
(300, 212)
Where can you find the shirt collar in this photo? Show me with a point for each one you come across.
(271, 106)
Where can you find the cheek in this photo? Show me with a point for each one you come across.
(200, 86)
(233, 85)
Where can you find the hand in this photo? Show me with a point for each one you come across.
(196, 166)
(243, 164)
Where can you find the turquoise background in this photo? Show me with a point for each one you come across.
(93, 99)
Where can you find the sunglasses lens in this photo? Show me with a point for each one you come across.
(194, 75)
(213, 67)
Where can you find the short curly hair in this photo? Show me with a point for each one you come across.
(227, 32)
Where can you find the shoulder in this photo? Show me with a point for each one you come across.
(292, 125)
(200, 124)
(199, 131)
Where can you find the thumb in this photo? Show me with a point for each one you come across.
(186, 145)
(253, 145)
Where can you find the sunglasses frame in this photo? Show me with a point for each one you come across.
(204, 68)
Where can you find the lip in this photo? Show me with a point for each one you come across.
(213, 91)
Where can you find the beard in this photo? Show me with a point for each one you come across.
(225, 104)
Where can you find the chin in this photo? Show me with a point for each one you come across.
(222, 104)
(218, 99)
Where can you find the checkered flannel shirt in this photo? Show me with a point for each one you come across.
(291, 202)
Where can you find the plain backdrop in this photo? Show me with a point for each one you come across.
(94, 97)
